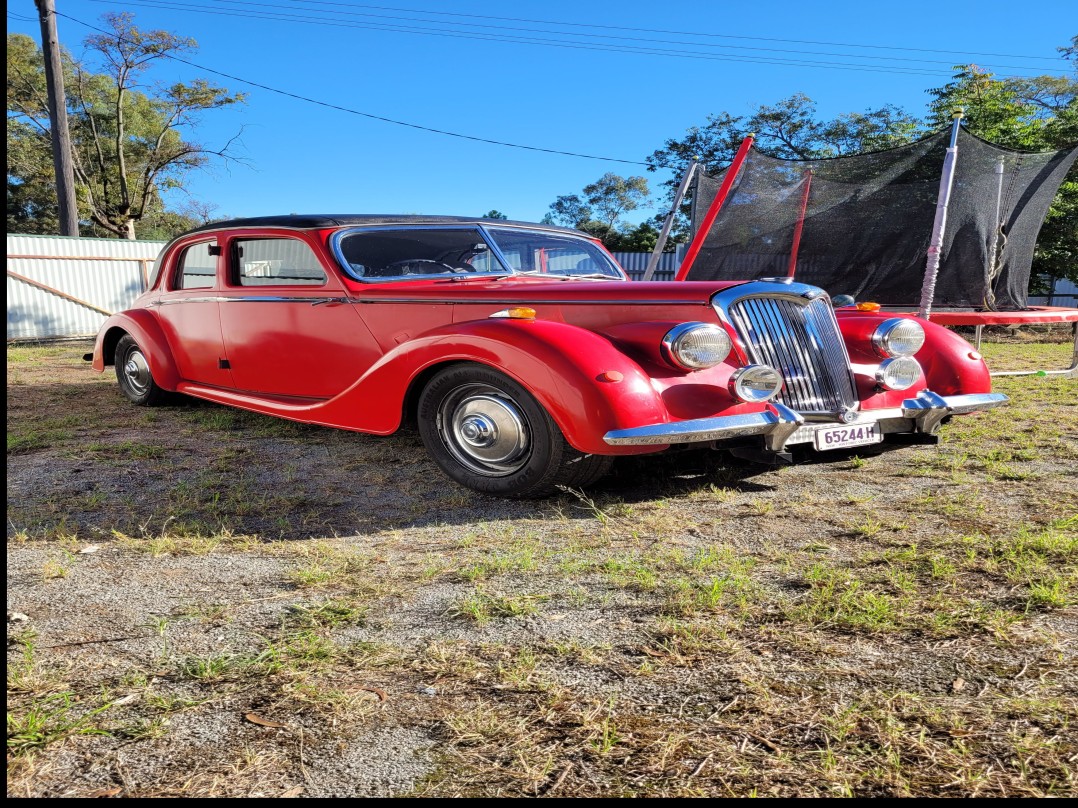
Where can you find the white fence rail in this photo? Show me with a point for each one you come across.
(61, 287)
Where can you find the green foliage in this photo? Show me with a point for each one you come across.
(569, 210)
(599, 210)
(494, 214)
(1030, 114)
(129, 141)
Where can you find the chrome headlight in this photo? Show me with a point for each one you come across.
(696, 346)
(900, 373)
(898, 337)
(755, 383)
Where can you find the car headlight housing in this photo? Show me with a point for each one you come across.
(898, 337)
(696, 346)
(899, 373)
(755, 383)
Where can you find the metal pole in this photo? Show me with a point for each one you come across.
(800, 223)
(668, 223)
(939, 225)
(61, 138)
(716, 206)
(993, 248)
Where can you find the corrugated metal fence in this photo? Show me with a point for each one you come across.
(1064, 293)
(636, 263)
(65, 287)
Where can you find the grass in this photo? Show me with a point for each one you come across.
(892, 624)
(48, 720)
(480, 606)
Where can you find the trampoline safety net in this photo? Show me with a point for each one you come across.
(868, 221)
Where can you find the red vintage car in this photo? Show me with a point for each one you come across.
(524, 354)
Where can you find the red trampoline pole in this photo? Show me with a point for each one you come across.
(800, 223)
(716, 206)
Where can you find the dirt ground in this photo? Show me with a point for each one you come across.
(206, 602)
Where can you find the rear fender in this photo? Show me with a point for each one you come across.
(144, 328)
(587, 385)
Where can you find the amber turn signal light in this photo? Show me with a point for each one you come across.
(868, 306)
(516, 313)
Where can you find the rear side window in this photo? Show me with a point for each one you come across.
(197, 269)
(276, 262)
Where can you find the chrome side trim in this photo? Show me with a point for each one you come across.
(313, 299)
(521, 300)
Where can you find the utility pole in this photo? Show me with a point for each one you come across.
(61, 138)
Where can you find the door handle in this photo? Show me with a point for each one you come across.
(329, 301)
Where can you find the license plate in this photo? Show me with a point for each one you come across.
(841, 437)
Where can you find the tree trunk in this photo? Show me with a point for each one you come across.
(130, 228)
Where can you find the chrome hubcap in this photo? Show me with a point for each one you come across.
(484, 430)
(137, 372)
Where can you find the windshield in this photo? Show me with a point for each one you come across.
(412, 252)
(405, 253)
(535, 251)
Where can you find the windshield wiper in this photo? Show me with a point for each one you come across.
(558, 276)
(482, 276)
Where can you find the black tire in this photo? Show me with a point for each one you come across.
(489, 434)
(133, 374)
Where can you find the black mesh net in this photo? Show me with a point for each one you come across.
(868, 220)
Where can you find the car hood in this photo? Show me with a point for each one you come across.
(528, 290)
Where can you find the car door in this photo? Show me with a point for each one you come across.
(288, 325)
(190, 313)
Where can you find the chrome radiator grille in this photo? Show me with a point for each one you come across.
(801, 339)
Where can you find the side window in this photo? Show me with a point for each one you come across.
(276, 262)
(197, 268)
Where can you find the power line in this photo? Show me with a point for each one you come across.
(177, 5)
(608, 27)
(680, 54)
(366, 114)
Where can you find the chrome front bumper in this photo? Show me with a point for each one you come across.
(781, 427)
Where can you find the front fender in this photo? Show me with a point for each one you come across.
(587, 385)
(145, 329)
(951, 365)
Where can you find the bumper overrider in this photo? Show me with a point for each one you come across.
(781, 427)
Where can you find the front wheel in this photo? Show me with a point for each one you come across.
(490, 434)
(133, 374)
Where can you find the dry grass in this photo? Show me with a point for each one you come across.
(889, 623)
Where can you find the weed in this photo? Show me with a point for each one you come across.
(480, 606)
(50, 719)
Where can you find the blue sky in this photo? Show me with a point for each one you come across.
(305, 158)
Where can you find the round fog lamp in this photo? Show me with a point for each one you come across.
(696, 346)
(755, 383)
(898, 337)
(900, 373)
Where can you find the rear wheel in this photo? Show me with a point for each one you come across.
(490, 434)
(133, 374)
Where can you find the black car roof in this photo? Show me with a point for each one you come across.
(324, 220)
